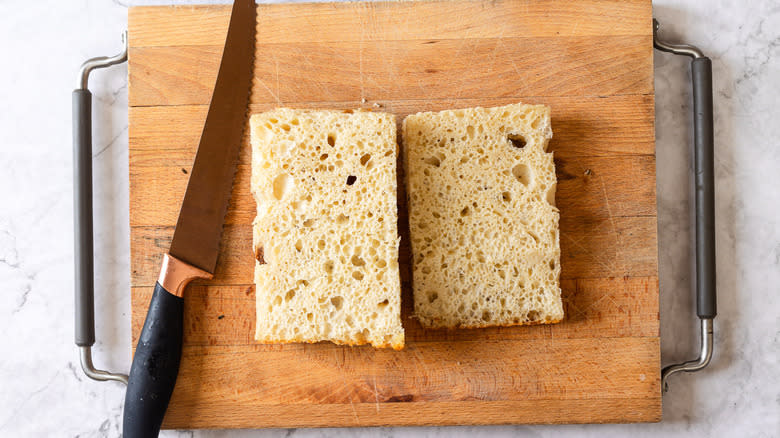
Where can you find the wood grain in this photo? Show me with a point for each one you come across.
(194, 413)
(588, 187)
(589, 249)
(323, 72)
(455, 371)
(584, 126)
(594, 308)
(205, 25)
(591, 61)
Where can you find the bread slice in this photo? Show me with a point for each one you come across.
(325, 236)
(484, 226)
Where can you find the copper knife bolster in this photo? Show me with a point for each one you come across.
(176, 274)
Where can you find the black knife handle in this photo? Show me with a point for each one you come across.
(155, 366)
(704, 181)
(82, 210)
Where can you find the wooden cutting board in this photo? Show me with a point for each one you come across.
(591, 61)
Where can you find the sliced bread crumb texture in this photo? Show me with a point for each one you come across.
(325, 235)
(484, 226)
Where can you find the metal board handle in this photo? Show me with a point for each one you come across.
(82, 220)
(704, 182)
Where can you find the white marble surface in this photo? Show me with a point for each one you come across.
(44, 393)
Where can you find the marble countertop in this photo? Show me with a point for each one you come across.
(43, 391)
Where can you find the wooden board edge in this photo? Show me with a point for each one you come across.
(280, 22)
(546, 411)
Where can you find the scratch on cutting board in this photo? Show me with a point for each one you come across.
(421, 87)
(260, 81)
(512, 63)
(278, 88)
(376, 396)
(582, 247)
(493, 56)
(389, 64)
(345, 384)
(592, 305)
(360, 61)
(612, 301)
(616, 264)
(619, 262)
(500, 43)
(354, 411)
(322, 85)
(574, 29)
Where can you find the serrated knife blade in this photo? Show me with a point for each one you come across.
(201, 218)
(196, 239)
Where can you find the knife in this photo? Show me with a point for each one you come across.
(195, 245)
